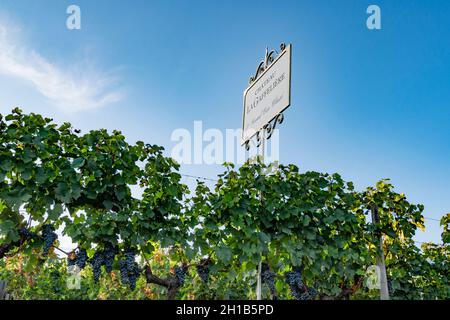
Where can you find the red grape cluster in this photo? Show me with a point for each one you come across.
(49, 236)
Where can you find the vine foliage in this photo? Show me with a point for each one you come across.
(124, 206)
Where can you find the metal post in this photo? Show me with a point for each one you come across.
(258, 281)
(384, 290)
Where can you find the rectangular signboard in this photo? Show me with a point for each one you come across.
(267, 96)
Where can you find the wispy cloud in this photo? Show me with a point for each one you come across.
(69, 88)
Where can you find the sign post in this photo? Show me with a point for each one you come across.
(268, 95)
(384, 290)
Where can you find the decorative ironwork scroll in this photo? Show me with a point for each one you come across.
(264, 64)
(270, 127)
(269, 130)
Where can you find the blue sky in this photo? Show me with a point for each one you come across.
(368, 104)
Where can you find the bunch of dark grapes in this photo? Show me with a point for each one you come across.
(312, 293)
(133, 275)
(130, 258)
(294, 280)
(78, 258)
(129, 269)
(97, 262)
(302, 296)
(123, 272)
(180, 273)
(296, 293)
(3, 250)
(72, 259)
(203, 272)
(268, 277)
(109, 253)
(308, 294)
(49, 236)
(26, 234)
(81, 258)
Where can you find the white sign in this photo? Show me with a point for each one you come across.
(267, 96)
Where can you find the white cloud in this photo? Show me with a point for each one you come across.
(74, 88)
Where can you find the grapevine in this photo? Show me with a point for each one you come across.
(321, 213)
